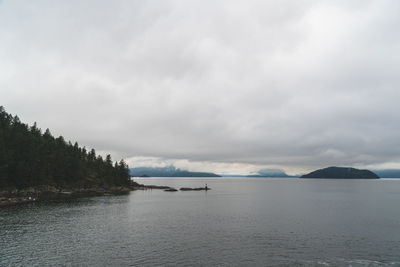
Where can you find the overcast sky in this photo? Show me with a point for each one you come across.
(225, 86)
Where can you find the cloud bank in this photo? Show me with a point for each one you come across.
(233, 85)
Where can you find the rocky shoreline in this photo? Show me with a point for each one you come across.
(33, 194)
(195, 189)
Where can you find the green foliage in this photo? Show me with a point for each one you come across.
(30, 158)
(341, 173)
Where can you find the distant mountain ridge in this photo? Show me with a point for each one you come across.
(341, 173)
(168, 171)
(269, 173)
(388, 173)
(264, 173)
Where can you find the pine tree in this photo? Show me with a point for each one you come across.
(30, 158)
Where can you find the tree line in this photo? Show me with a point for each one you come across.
(29, 158)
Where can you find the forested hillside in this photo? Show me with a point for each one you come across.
(29, 157)
(341, 173)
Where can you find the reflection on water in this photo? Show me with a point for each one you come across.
(240, 222)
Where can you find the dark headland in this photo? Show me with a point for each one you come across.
(38, 166)
(341, 173)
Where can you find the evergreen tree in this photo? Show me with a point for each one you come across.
(30, 158)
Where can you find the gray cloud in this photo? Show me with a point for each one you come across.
(297, 85)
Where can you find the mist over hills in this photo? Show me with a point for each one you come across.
(172, 171)
(388, 173)
(168, 171)
(270, 173)
(264, 173)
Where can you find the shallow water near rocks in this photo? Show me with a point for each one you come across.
(240, 222)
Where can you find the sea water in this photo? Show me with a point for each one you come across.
(240, 222)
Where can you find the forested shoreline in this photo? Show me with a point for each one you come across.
(30, 158)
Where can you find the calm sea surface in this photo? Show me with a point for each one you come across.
(240, 222)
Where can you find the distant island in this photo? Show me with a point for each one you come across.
(341, 173)
(168, 171)
(264, 173)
